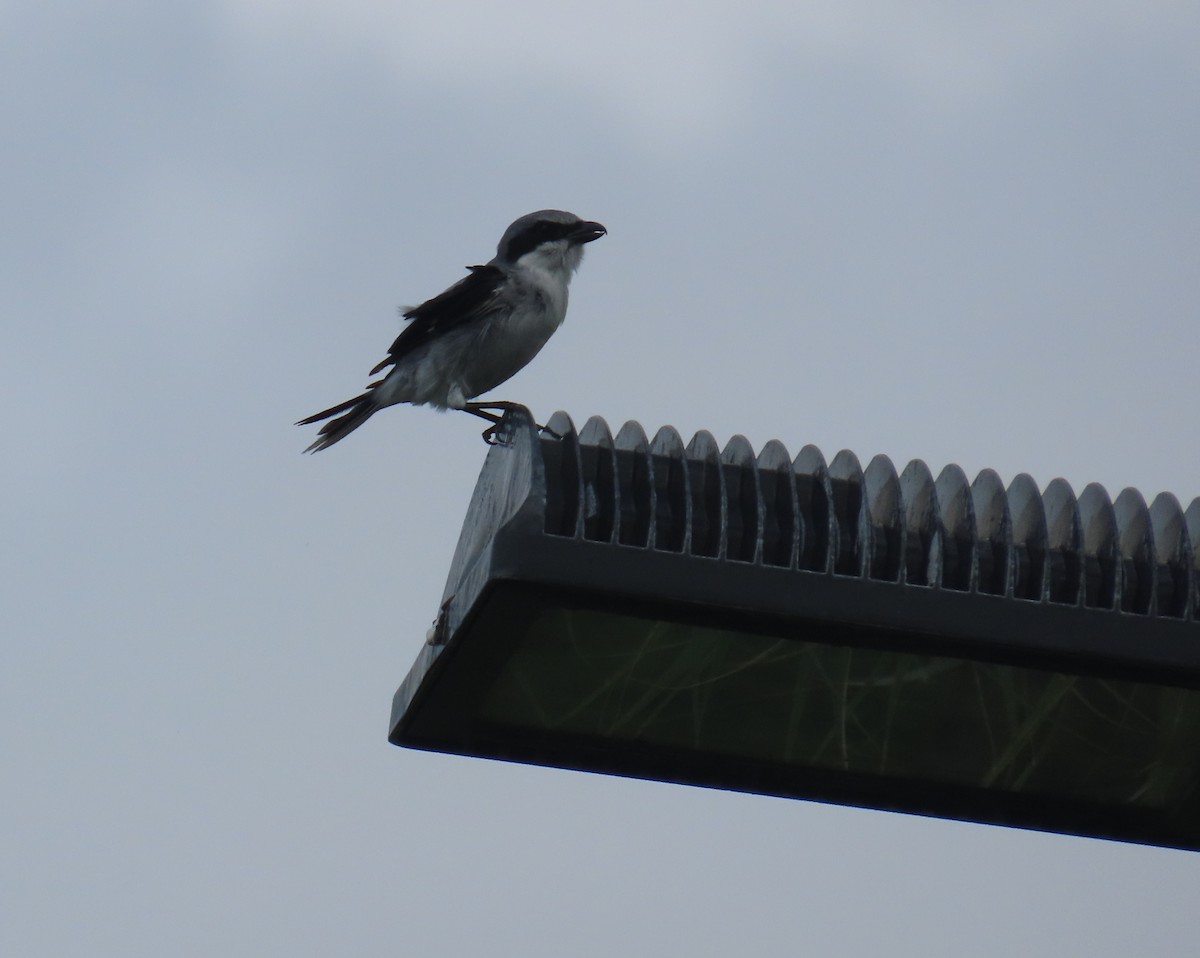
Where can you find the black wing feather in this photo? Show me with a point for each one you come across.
(471, 297)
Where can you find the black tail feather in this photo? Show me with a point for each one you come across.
(331, 411)
(360, 410)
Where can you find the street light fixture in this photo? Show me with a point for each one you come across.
(822, 631)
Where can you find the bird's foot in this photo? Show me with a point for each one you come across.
(494, 434)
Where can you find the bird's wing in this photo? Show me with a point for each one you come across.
(473, 296)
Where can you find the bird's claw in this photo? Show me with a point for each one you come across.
(495, 434)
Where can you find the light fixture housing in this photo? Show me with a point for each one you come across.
(821, 631)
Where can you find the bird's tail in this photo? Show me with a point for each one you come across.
(357, 411)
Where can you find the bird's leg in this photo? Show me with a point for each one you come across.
(483, 411)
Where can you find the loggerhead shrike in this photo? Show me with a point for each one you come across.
(479, 332)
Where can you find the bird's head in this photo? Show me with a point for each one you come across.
(550, 239)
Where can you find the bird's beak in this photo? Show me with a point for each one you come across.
(587, 231)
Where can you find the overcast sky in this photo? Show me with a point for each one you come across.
(935, 230)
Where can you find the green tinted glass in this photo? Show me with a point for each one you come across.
(801, 702)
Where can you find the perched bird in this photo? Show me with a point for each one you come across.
(478, 333)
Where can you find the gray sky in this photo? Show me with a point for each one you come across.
(922, 229)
